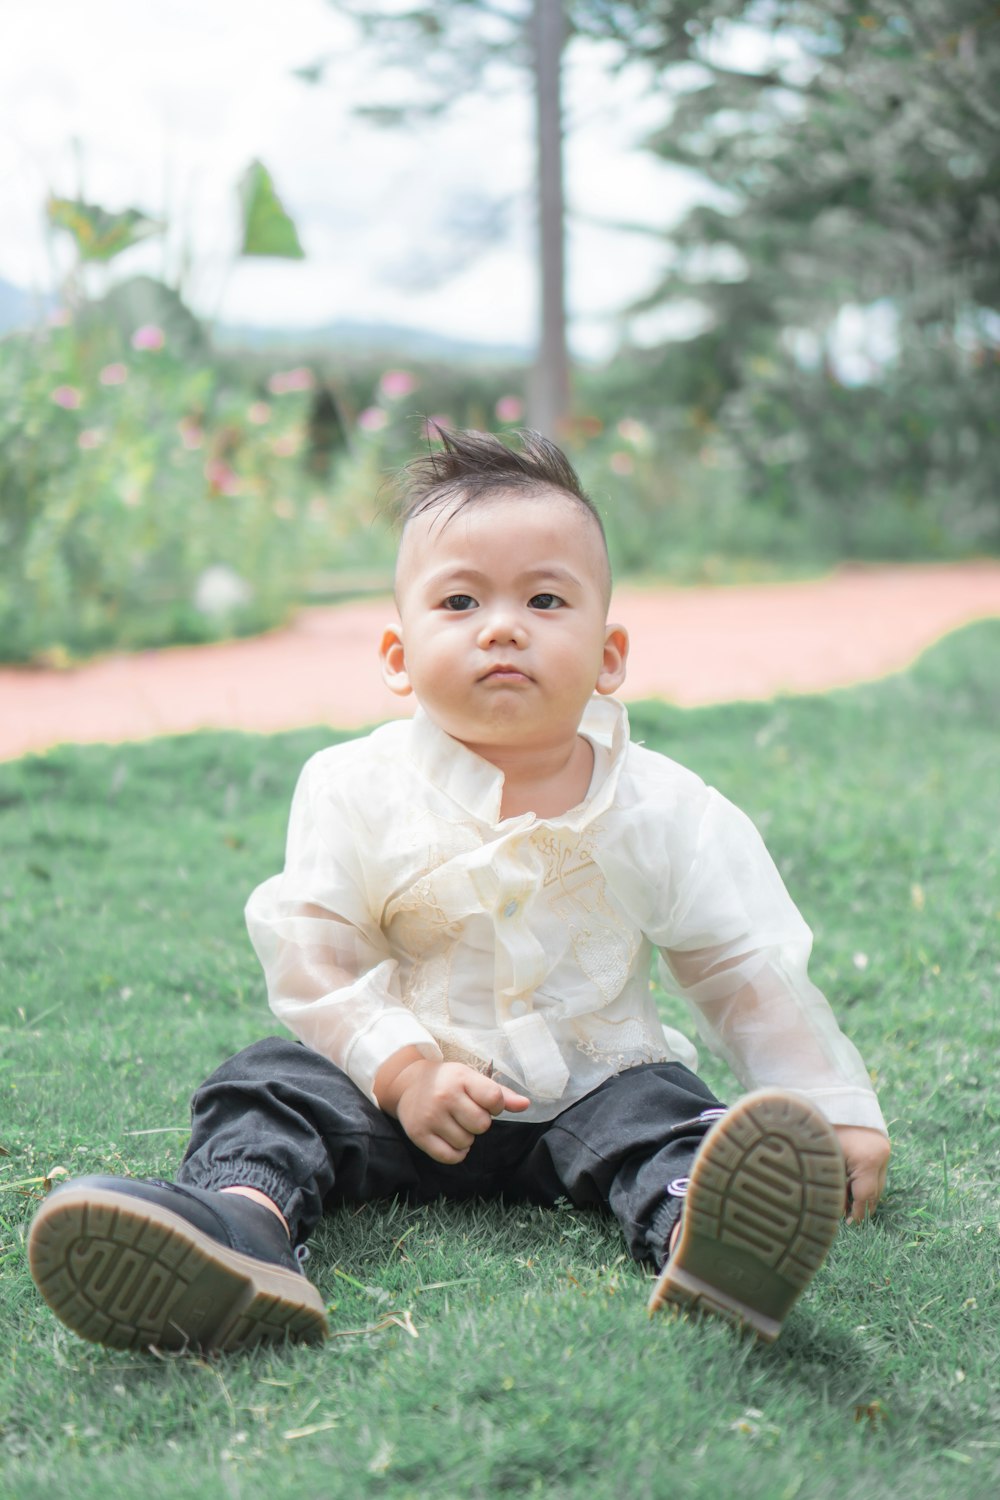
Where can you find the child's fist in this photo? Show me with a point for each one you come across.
(866, 1155)
(443, 1106)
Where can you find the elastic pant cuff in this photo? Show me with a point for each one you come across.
(662, 1227)
(241, 1171)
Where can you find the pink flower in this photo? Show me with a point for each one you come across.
(509, 409)
(115, 374)
(372, 419)
(68, 397)
(191, 434)
(90, 437)
(222, 480)
(621, 463)
(397, 383)
(259, 413)
(284, 381)
(148, 337)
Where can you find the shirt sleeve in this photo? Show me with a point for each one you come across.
(330, 976)
(736, 949)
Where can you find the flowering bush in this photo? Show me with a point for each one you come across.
(125, 475)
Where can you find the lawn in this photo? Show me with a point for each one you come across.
(476, 1351)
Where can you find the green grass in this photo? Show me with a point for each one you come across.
(126, 976)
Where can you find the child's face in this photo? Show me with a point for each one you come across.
(503, 634)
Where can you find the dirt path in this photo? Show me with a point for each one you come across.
(690, 646)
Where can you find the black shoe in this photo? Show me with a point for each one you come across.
(766, 1195)
(129, 1263)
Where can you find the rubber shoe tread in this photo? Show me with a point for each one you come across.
(763, 1206)
(131, 1274)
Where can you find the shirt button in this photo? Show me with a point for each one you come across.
(510, 910)
(518, 1008)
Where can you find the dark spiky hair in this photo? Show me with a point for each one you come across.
(472, 466)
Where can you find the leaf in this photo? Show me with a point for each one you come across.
(267, 228)
(100, 235)
(314, 72)
(294, 1433)
(391, 1320)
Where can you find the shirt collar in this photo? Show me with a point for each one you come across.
(477, 786)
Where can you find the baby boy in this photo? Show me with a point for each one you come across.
(461, 942)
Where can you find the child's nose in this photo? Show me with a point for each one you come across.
(500, 626)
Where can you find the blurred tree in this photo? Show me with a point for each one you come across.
(142, 300)
(853, 176)
(863, 163)
(549, 391)
(457, 47)
(849, 157)
(450, 49)
(453, 49)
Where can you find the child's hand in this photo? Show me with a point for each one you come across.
(443, 1106)
(866, 1153)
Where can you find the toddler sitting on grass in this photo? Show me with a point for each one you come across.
(461, 941)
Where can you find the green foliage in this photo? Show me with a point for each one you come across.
(126, 472)
(267, 228)
(126, 975)
(138, 301)
(858, 167)
(902, 468)
(98, 234)
(859, 161)
(133, 460)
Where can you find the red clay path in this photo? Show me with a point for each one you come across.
(690, 646)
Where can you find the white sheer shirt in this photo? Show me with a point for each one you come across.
(409, 913)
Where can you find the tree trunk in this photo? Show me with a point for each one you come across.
(549, 403)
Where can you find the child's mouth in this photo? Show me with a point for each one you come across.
(505, 673)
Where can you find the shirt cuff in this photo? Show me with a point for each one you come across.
(387, 1034)
(848, 1106)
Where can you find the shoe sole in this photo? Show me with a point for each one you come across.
(764, 1203)
(128, 1273)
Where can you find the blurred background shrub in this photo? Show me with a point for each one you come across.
(155, 490)
(835, 397)
(127, 471)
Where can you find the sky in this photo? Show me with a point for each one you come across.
(169, 101)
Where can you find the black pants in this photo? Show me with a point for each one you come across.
(281, 1118)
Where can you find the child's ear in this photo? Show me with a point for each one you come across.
(612, 673)
(390, 653)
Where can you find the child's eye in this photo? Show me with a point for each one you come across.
(459, 602)
(545, 601)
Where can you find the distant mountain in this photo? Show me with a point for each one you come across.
(21, 309)
(345, 336)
